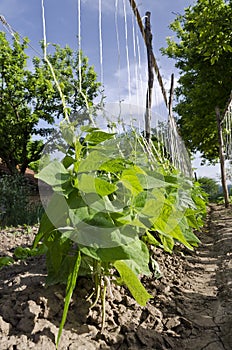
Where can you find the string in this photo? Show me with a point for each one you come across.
(79, 43)
(100, 39)
(139, 63)
(135, 60)
(13, 33)
(65, 110)
(118, 48)
(127, 49)
(80, 60)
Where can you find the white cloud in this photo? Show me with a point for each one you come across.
(108, 6)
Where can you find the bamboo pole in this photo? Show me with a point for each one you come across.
(170, 121)
(170, 103)
(153, 60)
(148, 36)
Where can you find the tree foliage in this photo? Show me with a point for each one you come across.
(210, 186)
(29, 96)
(202, 49)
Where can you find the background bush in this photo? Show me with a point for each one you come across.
(210, 186)
(15, 205)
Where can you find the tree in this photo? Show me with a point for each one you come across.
(31, 96)
(202, 50)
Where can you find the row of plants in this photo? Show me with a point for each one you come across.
(113, 198)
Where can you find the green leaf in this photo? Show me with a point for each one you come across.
(24, 253)
(101, 220)
(56, 175)
(152, 208)
(185, 200)
(92, 162)
(80, 214)
(92, 184)
(55, 216)
(130, 180)
(168, 223)
(102, 235)
(171, 179)
(46, 227)
(168, 243)
(68, 133)
(113, 165)
(150, 239)
(5, 261)
(96, 137)
(191, 238)
(67, 161)
(139, 258)
(57, 258)
(140, 200)
(133, 283)
(135, 254)
(59, 276)
(149, 182)
(87, 128)
(106, 254)
(139, 222)
(192, 219)
(86, 183)
(104, 188)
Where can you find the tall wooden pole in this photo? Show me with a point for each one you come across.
(171, 96)
(222, 158)
(148, 37)
(170, 121)
(153, 60)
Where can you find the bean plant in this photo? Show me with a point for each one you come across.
(112, 200)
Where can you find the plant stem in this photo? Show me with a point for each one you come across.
(103, 301)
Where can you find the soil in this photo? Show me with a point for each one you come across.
(191, 308)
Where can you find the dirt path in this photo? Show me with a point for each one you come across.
(191, 308)
(206, 294)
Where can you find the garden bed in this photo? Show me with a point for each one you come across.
(191, 306)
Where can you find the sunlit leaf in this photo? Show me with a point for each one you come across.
(133, 283)
(98, 136)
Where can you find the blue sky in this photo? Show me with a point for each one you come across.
(62, 28)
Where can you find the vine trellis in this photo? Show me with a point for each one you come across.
(162, 122)
(224, 126)
(165, 125)
(227, 127)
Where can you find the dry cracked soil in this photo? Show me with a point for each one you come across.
(191, 307)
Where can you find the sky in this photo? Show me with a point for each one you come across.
(110, 40)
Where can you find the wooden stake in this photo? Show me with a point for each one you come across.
(148, 36)
(171, 96)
